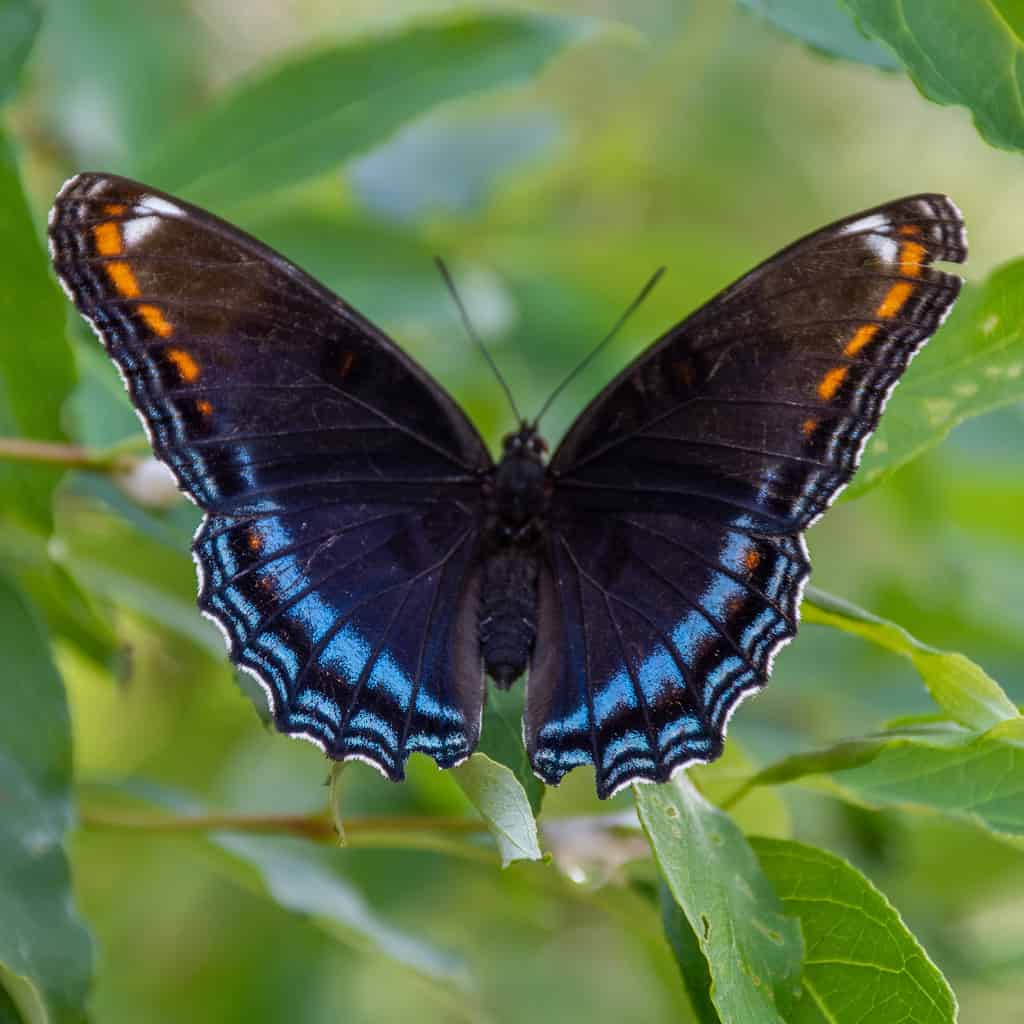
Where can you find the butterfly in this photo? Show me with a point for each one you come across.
(369, 563)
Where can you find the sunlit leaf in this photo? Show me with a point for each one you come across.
(962, 689)
(320, 109)
(973, 365)
(824, 25)
(45, 950)
(495, 792)
(966, 52)
(753, 951)
(975, 776)
(862, 961)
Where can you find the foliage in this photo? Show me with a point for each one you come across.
(216, 881)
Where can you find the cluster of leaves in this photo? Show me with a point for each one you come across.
(761, 929)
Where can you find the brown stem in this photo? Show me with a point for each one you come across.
(310, 826)
(72, 456)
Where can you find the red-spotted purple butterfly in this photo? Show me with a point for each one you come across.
(367, 560)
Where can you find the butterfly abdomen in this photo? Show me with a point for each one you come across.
(508, 613)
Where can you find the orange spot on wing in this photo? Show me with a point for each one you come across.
(204, 407)
(155, 320)
(860, 339)
(108, 238)
(832, 381)
(909, 230)
(752, 559)
(911, 257)
(123, 279)
(894, 299)
(347, 359)
(114, 209)
(253, 541)
(808, 427)
(187, 366)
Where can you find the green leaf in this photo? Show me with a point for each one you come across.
(138, 563)
(36, 372)
(753, 951)
(19, 22)
(450, 164)
(862, 962)
(45, 950)
(825, 26)
(976, 777)
(961, 688)
(117, 75)
(691, 962)
(967, 52)
(302, 876)
(313, 113)
(495, 792)
(501, 739)
(973, 365)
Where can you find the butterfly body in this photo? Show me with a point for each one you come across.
(518, 499)
(367, 560)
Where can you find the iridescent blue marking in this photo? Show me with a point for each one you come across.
(684, 727)
(366, 721)
(611, 697)
(346, 653)
(630, 741)
(726, 668)
(315, 701)
(716, 596)
(658, 673)
(692, 633)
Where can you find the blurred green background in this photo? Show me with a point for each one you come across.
(688, 134)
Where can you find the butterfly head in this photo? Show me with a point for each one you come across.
(519, 491)
(525, 443)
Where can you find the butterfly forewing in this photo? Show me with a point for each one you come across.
(341, 484)
(676, 555)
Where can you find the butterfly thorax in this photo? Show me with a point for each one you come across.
(518, 498)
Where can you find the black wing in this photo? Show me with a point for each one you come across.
(341, 485)
(676, 558)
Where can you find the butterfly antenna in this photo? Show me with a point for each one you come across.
(592, 354)
(476, 338)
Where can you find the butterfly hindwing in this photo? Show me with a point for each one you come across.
(676, 557)
(341, 484)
